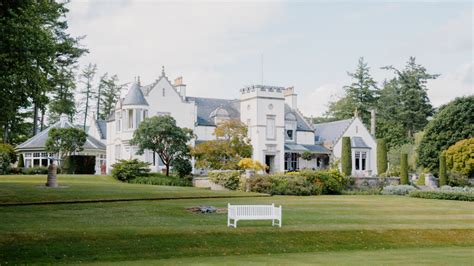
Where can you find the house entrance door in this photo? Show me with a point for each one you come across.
(270, 162)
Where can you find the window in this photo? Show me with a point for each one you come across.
(163, 92)
(291, 161)
(290, 134)
(290, 127)
(138, 115)
(117, 151)
(271, 134)
(130, 118)
(118, 121)
(360, 160)
(28, 154)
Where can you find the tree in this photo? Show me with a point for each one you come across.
(442, 170)
(346, 156)
(230, 146)
(161, 135)
(33, 49)
(109, 95)
(381, 156)
(459, 157)
(63, 101)
(21, 161)
(361, 95)
(452, 123)
(413, 106)
(88, 92)
(404, 169)
(65, 141)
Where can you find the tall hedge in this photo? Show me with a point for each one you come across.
(346, 156)
(381, 156)
(404, 169)
(21, 161)
(442, 171)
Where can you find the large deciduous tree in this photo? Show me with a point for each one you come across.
(453, 122)
(34, 47)
(65, 141)
(161, 135)
(230, 146)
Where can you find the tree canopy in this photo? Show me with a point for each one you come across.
(161, 135)
(65, 141)
(452, 123)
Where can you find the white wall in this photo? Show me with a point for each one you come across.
(305, 137)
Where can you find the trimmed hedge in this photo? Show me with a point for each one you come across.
(346, 156)
(442, 195)
(404, 169)
(381, 156)
(162, 180)
(443, 179)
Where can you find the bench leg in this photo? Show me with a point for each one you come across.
(273, 222)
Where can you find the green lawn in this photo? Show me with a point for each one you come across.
(322, 229)
(31, 189)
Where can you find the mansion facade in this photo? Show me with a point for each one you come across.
(278, 131)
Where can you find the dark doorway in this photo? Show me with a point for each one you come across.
(269, 161)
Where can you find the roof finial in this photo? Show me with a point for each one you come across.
(356, 113)
(138, 81)
(163, 70)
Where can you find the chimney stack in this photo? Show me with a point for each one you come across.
(180, 87)
(372, 122)
(290, 97)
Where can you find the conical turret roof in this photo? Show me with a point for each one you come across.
(135, 96)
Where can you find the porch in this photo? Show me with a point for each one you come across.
(295, 160)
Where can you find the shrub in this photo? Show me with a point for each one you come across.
(4, 162)
(404, 169)
(458, 180)
(421, 180)
(37, 170)
(10, 150)
(442, 170)
(249, 164)
(126, 170)
(182, 167)
(15, 170)
(162, 180)
(21, 161)
(457, 189)
(443, 195)
(227, 179)
(346, 156)
(459, 157)
(79, 164)
(381, 156)
(397, 190)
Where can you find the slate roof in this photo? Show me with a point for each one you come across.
(358, 142)
(316, 148)
(39, 140)
(102, 126)
(331, 131)
(301, 124)
(205, 106)
(134, 96)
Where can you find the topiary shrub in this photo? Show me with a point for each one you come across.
(182, 167)
(459, 157)
(381, 156)
(126, 170)
(442, 170)
(79, 164)
(346, 156)
(21, 161)
(227, 179)
(404, 169)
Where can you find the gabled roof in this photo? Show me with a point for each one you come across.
(134, 96)
(331, 131)
(39, 140)
(102, 128)
(358, 142)
(205, 107)
(316, 148)
(301, 124)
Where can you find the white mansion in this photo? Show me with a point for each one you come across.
(278, 131)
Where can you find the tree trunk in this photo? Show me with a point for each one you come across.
(167, 169)
(87, 106)
(5, 133)
(42, 118)
(35, 118)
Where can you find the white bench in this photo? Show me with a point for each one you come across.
(253, 212)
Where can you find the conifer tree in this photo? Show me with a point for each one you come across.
(346, 156)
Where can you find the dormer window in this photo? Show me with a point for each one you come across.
(219, 115)
(290, 127)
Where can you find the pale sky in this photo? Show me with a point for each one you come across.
(217, 46)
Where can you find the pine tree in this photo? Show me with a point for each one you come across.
(404, 169)
(63, 101)
(361, 95)
(110, 94)
(381, 156)
(346, 156)
(88, 92)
